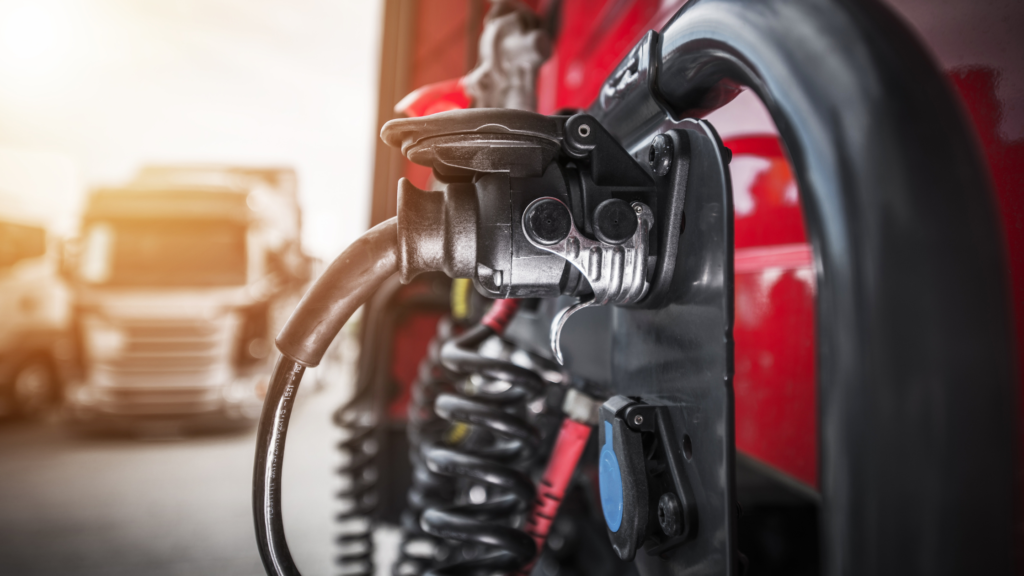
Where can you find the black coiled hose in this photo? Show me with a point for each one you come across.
(418, 550)
(359, 497)
(346, 284)
(489, 445)
(364, 426)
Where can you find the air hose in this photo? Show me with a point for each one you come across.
(347, 283)
(470, 230)
(496, 447)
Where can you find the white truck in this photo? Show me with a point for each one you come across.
(181, 280)
(34, 311)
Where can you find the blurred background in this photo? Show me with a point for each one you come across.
(172, 173)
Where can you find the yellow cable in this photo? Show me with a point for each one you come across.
(460, 298)
(456, 433)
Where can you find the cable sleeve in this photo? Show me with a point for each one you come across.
(572, 440)
(500, 315)
(346, 284)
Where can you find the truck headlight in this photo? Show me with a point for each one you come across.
(103, 339)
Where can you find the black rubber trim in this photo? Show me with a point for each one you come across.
(917, 387)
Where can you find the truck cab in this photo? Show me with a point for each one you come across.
(34, 309)
(180, 280)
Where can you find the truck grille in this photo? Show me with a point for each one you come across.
(157, 401)
(167, 366)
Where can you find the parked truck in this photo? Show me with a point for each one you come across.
(180, 282)
(34, 313)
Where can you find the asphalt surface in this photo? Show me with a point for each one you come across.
(163, 504)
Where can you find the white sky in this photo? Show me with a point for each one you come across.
(91, 89)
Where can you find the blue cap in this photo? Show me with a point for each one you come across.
(610, 481)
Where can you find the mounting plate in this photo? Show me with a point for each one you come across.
(678, 355)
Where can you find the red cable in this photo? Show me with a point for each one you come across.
(500, 314)
(572, 439)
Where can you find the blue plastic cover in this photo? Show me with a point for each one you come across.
(610, 481)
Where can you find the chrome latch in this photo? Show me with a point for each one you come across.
(616, 268)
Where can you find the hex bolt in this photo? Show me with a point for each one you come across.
(669, 514)
(638, 420)
(584, 130)
(660, 155)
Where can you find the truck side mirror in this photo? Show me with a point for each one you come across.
(67, 254)
(19, 242)
(292, 264)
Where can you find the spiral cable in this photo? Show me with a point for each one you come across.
(418, 550)
(358, 494)
(486, 449)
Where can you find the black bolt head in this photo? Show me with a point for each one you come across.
(615, 221)
(670, 514)
(547, 221)
(660, 155)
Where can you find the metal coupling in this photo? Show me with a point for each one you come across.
(437, 230)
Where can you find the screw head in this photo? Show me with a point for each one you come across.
(669, 514)
(638, 420)
(660, 155)
(584, 130)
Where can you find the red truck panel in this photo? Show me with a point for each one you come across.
(775, 390)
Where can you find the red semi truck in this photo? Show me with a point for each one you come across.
(828, 380)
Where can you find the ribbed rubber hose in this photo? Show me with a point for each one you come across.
(346, 284)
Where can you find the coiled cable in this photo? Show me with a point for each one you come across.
(418, 550)
(359, 449)
(364, 424)
(488, 447)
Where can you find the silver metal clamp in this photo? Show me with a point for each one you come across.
(617, 271)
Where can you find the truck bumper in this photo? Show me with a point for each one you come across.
(236, 403)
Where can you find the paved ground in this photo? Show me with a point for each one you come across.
(162, 506)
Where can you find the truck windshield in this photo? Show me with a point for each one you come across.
(162, 253)
(19, 242)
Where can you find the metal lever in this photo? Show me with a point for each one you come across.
(616, 269)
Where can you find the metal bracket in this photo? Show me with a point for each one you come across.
(677, 355)
(631, 92)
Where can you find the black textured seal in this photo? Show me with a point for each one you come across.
(614, 221)
(547, 221)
